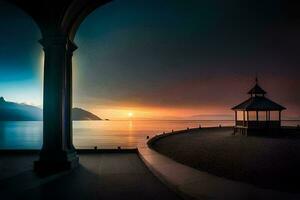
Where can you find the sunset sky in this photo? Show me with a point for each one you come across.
(168, 59)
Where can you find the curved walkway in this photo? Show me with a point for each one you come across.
(100, 176)
(195, 184)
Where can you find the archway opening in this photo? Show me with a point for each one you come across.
(21, 82)
(156, 61)
(172, 51)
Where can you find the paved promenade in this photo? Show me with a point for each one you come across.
(191, 183)
(99, 176)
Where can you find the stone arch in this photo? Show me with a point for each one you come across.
(76, 13)
(21, 6)
(58, 22)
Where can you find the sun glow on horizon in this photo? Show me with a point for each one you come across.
(130, 114)
(157, 113)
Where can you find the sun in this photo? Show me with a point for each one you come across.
(130, 114)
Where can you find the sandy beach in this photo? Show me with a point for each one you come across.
(266, 162)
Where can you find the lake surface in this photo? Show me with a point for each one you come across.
(103, 134)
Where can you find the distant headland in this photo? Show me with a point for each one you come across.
(78, 114)
(11, 111)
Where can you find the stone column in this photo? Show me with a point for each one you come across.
(57, 153)
(69, 91)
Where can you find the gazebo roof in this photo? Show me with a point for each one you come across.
(258, 103)
(257, 90)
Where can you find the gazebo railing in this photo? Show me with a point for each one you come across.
(259, 124)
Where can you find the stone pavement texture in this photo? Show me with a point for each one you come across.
(99, 176)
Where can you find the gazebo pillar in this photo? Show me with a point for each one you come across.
(235, 116)
(247, 112)
(243, 118)
(58, 152)
(256, 115)
(280, 118)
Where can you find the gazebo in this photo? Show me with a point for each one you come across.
(258, 114)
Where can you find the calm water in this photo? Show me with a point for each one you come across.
(104, 134)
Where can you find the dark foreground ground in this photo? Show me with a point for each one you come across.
(266, 162)
(100, 176)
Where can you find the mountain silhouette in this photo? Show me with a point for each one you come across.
(80, 114)
(10, 111)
